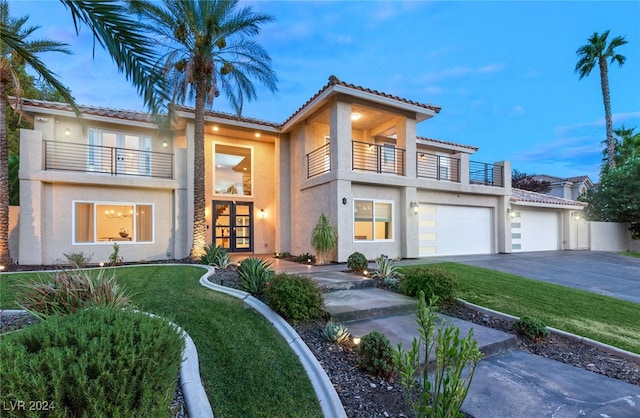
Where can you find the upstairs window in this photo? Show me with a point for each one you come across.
(233, 168)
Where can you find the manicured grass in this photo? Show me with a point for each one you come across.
(602, 318)
(247, 367)
(630, 254)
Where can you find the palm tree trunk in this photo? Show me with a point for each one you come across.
(199, 221)
(604, 83)
(5, 256)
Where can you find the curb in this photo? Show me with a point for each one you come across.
(584, 340)
(327, 396)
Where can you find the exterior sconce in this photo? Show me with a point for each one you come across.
(511, 213)
(344, 200)
(165, 144)
(576, 216)
(415, 207)
(67, 132)
(263, 213)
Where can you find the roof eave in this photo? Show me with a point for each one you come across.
(239, 123)
(87, 116)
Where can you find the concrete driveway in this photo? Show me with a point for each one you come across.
(605, 273)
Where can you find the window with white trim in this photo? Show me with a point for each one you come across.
(372, 220)
(107, 222)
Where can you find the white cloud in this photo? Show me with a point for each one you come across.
(460, 72)
(517, 110)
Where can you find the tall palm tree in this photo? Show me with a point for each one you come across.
(209, 50)
(598, 51)
(15, 51)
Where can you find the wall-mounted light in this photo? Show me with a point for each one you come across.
(67, 132)
(263, 213)
(415, 207)
(576, 216)
(344, 200)
(165, 144)
(42, 119)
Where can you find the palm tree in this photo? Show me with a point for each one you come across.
(15, 51)
(597, 51)
(209, 50)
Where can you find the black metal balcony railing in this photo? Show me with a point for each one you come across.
(485, 173)
(378, 158)
(107, 160)
(438, 167)
(319, 161)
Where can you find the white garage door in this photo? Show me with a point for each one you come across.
(533, 230)
(454, 230)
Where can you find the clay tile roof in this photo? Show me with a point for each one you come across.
(92, 110)
(446, 143)
(334, 81)
(519, 195)
(230, 116)
(577, 178)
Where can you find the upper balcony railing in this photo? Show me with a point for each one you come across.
(486, 174)
(385, 158)
(319, 161)
(438, 167)
(85, 158)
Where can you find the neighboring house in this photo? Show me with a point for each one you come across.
(567, 188)
(349, 152)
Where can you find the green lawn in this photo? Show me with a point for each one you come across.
(247, 367)
(630, 254)
(612, 321)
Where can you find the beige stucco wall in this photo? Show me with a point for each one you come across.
(609, 236)
(14, 232)
(263, 189)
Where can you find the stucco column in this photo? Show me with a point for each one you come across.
(409, 224)
(464, 167)
(30, 221)
(283, 194)
(503, 221)
(340, 133)
(406, 133)
(341, 217)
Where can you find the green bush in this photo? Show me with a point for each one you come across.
(215, 255)
(255, 273)
(375, 355)
(296, 298)
(531, 327)
(77, 259)
(357, 262)
(324, 238)
(115, 258)
(305, 258)
(70, 291)
(433, 280)
(100, 362)
(387, 272)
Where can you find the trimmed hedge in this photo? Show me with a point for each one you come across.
(98, 362)
(296, 298)
(433, 280)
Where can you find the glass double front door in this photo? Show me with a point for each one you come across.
(233, 225)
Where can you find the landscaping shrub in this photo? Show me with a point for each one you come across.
(387, 272)
(531, 327)
(375, 355)
(445, 382)
(115, 258)
(305, 258)
(100, 362)
(335, 333)
(215, 255)
(433, 280)
(295, 297)
(70, 291)
(324, 238)
(77, 259)
(255, 273)
(357, 262)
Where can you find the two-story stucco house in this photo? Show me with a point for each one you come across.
(349, 152)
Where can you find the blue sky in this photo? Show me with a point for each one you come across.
(502, 71)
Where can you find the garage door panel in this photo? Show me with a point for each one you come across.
(535, 231)
(454, 230)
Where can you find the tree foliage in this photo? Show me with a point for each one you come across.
(524, 181)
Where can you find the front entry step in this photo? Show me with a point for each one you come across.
(367, 303)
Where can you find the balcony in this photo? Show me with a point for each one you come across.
(438, 167)
(486, 174)
(385, 158)
(319, 161)
(66, 156)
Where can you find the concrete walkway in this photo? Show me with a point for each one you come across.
(507, 383)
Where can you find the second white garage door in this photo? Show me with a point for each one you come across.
(454, 230)
(535, 230)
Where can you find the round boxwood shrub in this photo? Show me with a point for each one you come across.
(432, 280)
(533, 328)
(357, 262)
(375, 355)
(296, 298)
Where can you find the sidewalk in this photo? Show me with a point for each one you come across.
(508, 382)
